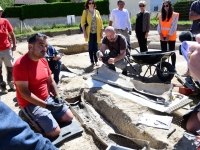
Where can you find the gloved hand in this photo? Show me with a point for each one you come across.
(59, 100)
(129, 32)
(53, 106)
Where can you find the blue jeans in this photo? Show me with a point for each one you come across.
(55, 67)
(16, 134)
(93, 47)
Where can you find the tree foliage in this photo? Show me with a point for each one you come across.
(58, 9)
(6, 3)
(183, 8)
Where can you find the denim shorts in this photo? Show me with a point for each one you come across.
(43, 119)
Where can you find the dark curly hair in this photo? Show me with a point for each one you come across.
(164, 13)
(87, 3)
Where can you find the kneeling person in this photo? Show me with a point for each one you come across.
(55, 62)
(33, 81)
(118, 49)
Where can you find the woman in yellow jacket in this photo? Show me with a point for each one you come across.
(93, 32)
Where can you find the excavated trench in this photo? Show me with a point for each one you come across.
(112, 119)
(103, 131)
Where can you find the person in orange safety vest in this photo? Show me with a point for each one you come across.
(167, 26)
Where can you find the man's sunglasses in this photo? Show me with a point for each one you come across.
(91, 3)
(165, 5)
(141, 5)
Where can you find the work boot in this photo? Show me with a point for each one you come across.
(3, 88)
(12, 85)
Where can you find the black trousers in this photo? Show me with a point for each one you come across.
(93, 47)
(171, 48)
(142, 41)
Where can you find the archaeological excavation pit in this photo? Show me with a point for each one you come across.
(112, 119)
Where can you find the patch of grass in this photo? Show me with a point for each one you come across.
(17, 30)
(44, 28)
(105, 21)
(41, 27)
(185, 22)
(133, 20)
(154, 21)
(63, 27)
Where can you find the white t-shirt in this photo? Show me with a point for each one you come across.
(120, 19)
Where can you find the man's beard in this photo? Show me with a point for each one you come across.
(40, 55)
(112, 40)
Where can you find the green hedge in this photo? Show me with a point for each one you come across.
(60, 9)
(12, 12)
(183, 8)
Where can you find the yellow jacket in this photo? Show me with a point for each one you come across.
(89, 21)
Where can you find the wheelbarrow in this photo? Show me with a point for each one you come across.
(165, 71)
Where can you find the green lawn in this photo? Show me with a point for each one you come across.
(63, 27)
(155, 22)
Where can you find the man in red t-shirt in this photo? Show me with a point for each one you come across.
(6, 54)
(33, 81)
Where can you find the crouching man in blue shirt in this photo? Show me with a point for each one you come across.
(53, 57)
(15, 134)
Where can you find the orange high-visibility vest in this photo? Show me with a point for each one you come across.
(166, 25)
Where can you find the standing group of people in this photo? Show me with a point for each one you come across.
(120, 21)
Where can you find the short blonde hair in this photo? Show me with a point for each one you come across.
(142, 2)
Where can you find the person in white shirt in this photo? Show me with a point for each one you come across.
(120, 20)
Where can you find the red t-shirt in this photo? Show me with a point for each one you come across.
(36, 73)
(5, 28)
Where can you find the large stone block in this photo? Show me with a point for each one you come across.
(71, 88)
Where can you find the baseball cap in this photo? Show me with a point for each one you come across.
(121, 1)
(1, 8)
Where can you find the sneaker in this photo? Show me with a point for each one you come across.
(186, 74)
(3, 88)
(4, 91)
(12, 85)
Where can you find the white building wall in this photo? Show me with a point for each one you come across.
(131, 5)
